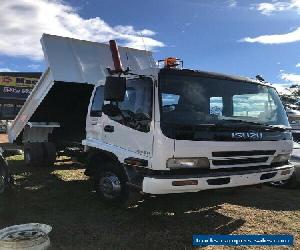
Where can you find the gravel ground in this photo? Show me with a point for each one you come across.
(63, 198)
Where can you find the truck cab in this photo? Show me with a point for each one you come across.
(187, 131)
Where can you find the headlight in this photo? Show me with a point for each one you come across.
(188, 163)
(282, 158)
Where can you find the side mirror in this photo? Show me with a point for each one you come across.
(114, 89)
(111, 110)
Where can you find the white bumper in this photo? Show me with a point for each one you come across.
(165, 185)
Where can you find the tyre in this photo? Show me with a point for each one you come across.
(110, 184)
(49, 154)
(32, 236)
(34, 154)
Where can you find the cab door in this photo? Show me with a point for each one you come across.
(94, 122)
(133, 129)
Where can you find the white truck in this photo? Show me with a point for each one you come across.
(155, 130)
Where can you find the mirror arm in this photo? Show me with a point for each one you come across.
(123, 72)
(114, 72)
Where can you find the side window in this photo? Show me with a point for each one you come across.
(216, 106)
(96, 109)
(169, 102)
(136, 109)
(169, 99)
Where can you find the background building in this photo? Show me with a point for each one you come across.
(14, 89)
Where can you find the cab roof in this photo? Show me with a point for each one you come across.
(191, 72)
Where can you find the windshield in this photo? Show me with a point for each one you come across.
(200, 100)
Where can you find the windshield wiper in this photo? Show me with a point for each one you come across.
(256, 124)
(220, 125)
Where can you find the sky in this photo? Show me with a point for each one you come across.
(237, 37)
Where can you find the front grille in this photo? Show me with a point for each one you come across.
(233, 158)
(243, 153)
(239, 161)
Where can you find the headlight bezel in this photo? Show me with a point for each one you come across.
(281, 158)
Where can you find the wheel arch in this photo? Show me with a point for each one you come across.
(100, 156)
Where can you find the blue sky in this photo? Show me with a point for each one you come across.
(236, 37)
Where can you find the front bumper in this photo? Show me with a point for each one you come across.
(297, 170)
(161, 184)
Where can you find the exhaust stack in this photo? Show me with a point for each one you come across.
(115, 56)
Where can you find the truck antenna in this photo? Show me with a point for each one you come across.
(149, 57)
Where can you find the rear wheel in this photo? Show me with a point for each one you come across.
(39, 154)
(33, 154)
(49, 154)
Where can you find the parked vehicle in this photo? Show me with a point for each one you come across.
(294, 180)
(294, 120)
(155, 130)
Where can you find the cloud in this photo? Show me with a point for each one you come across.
(290, 37)
(270, 8)
(277, 6)
(289, 77)
(6, 70)
(24, 21)
(298, 65)
(232, 3)
(33, 66)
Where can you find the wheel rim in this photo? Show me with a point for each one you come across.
(110, 185)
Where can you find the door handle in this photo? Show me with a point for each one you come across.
(94, 121)
(109, 128)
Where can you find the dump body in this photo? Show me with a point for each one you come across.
(72, 61)
(33, 101)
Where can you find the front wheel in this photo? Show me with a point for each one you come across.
(110, 184)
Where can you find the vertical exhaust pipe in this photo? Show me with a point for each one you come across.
(115, 56)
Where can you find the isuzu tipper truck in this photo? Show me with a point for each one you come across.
(155, 130)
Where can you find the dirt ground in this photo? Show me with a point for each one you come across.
(3, 138)
(63, 198)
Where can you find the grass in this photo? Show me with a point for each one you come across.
(63, 198)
